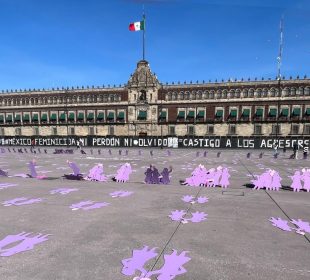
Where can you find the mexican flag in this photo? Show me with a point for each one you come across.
(136, 26)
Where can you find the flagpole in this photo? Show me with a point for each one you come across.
(143, 41)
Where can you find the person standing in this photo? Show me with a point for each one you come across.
(295, 150)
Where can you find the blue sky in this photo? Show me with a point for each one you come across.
(55, 43)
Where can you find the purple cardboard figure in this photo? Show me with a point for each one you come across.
(188, 198)
(138, 260)
(202, 199)
(148, 175)
(76, 172)
(123, 173)
(63, 191)
(88, 205)
(216, 176)
(198, 217)
(302, 226)
(165, 176)
(6, 185)
(172, 267)
(281, 224)
(296, 183)
(155, 175)
(3, 173)
(224, 182)
(276, 181)
(258, 183)
(197, 178)
(306, 179)
(177, 215)
(21, 201)
(26, 243)
(32, 169)
(96, 174)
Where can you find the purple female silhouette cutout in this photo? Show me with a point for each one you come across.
(306, 179)
(155, 175)
(138, 260)
(202, 199)
(177, 215)
(21, 201)
(32, 169)
(296, 181)
(88, 205)
(188, 198)
(224, 182)
(121, 194)
(197, 178)
(302, 226)
(173, 264)
(76, 175)
(165, 176)
(216, 174)
(6, 185)
(281, 224)
(276, 181)
(3, 173)
(172, 267)
(123, 173)
(198, 217)
(26, 243)
(96, 174)
(148, 175)
(63, 191)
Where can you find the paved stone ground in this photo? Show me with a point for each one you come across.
(235, 242)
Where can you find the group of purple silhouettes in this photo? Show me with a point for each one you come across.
(152, 176)
(210, 178)
(271, 180)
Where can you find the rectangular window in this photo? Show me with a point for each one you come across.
(272, 113)
(1, 119)
(111, 130)
(284, 112)
(191, 130)
(210, 129)
(296, 112)
(245, 114)
(232, 129)
(200, 115)
(307, 129)
(36, 131)
(233, 113)
(2, 131)
(142, 115)
(181, 115)
(163, 116)
(219, 113)
(71, 131)
(257, 129)
(54, 131)
(275, 129)
(171, 130)
(18, 131)
(91, 130)
(295, 129)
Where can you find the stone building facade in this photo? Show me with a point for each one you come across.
(144, 106)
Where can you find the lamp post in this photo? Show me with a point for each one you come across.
(279, 58)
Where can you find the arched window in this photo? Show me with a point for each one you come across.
(251, 92)
(181, 95)
(307, 91)
(245, 93)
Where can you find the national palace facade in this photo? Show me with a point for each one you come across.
(144, 106)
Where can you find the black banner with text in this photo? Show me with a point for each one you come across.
(218, 142)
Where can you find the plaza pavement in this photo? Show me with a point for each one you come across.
(237, 241)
